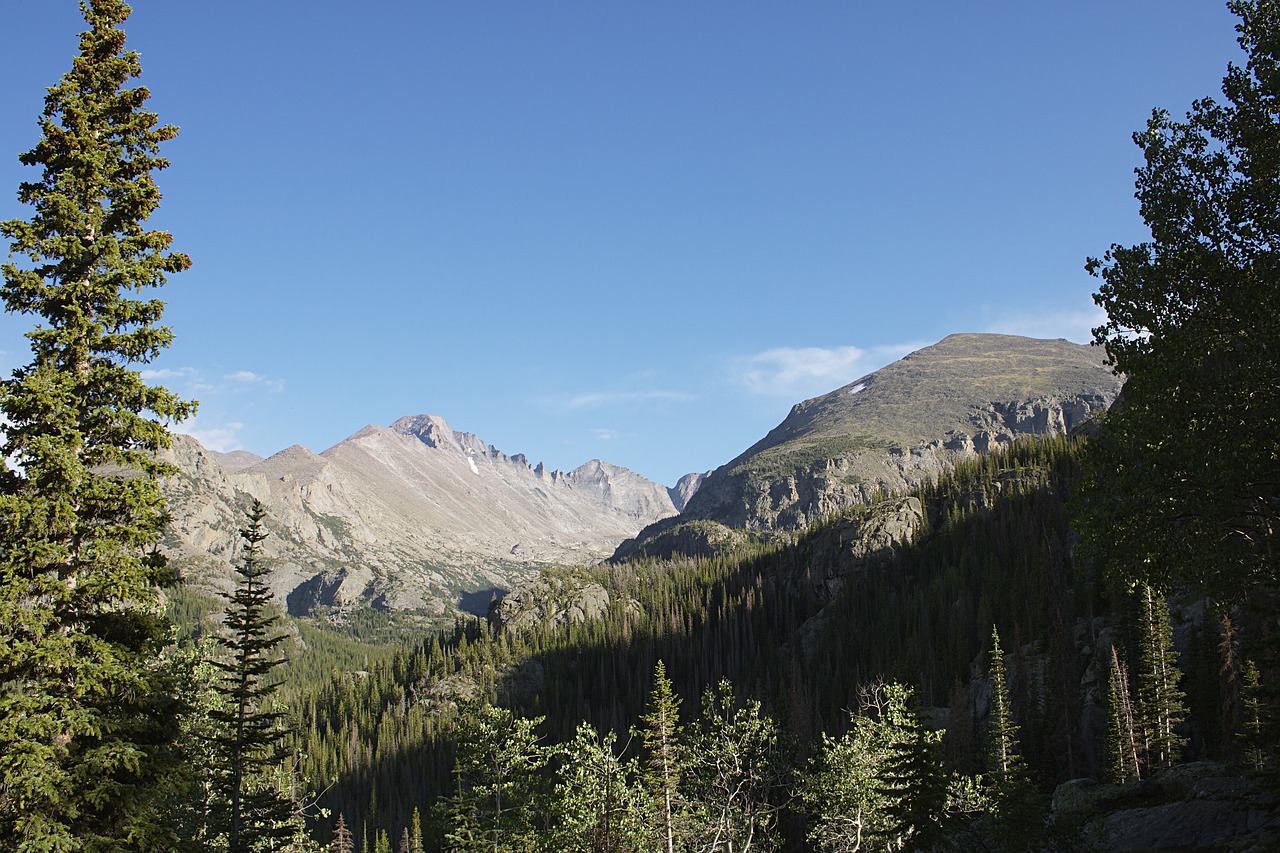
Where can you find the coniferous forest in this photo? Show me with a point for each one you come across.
(1040, 637)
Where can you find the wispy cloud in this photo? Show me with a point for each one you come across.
(600, 399)
(222, 438)
(1073, 325)
(795, 372)
(247, 378)
(605, 434)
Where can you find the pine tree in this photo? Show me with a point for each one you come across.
(415, 834)
(1018, 819)
(87, 717)
(342, 840)
(1159, 707)
(661, 732)
(1252, 712)
(252, 740)
(1122, 761)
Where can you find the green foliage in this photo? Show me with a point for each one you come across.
(1160, 708)
(1018, 820)
(662, 735)
(881, 786)
(599, 804)
(1183, 483)
(251, 739)
(497, 802)
(87, 713)
(736, 774)
(1123, 760)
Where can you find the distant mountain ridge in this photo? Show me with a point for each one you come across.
(889, 431)
(415, 515)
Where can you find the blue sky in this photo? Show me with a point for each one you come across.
(637, 232)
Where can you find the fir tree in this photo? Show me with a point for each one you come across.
(87, 719)
(1159, 705)
(342, 840)
(1252, 712)
(1122, 760)
(252, 739)
(661, 732)
(1018, 821)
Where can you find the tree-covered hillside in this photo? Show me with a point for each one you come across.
(804, 628)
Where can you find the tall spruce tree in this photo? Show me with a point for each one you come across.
(662, 735)
(1160, 706)
(1123, 758)
(87, 718)
(252, 737)
(1018, 819)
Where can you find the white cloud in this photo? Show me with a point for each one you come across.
(222, 438)
(595, 400)
(604, 434)
(795, 372)
(247, 378)
(153, 375)
(1073, 325)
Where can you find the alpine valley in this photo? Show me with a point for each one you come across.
(418, 516)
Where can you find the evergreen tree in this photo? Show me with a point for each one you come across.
(1159, 705)
(87, 717)
(1017, 816)
(415, 833)
(913, 780)
(252, 740)
(342, 840)
(1252, 711)
(1122, 760)
(662, 733)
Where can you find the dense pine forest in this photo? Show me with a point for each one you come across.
(1045, 637)
(993, 549)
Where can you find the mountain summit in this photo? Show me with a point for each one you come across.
(413, 515)
(893, 429)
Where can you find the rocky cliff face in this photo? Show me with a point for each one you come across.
(414, 515)
(894, 429)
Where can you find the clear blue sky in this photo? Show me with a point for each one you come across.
(632, 231)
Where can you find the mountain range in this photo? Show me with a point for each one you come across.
(418, 516)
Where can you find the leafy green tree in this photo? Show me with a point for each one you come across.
(880, 787)
(258, 808)
(1183, 486)
(735, 772)
(598, 804)
(662, 735)
(498, 765)
(87, 715)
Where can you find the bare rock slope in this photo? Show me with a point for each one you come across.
(893, 429)
(414, 515)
